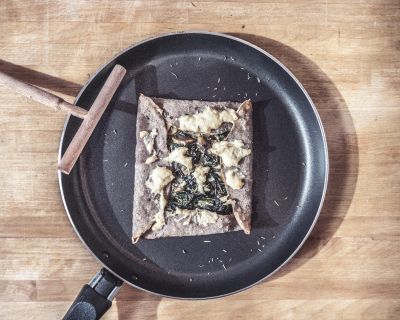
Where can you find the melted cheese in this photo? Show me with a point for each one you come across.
(178, 155)
(200, 174)
(180, 187)
(159, 217)
(148, 139)
(198, 216)
(143, 134)
(207, 120)
(231, 152)
(152, 158)
(158, 179)
(205, 217)
(234, 178)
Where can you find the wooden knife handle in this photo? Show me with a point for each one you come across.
(41, 96)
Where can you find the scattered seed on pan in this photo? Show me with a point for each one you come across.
(190, 279)
(299, 207)
(259, 250)
(248, 76)
(273, 237)
(251, 250)
(105, 160)
(277, 204)
(208, 273)
(174, 74)
(206, 241)
(199, 58)
(262, 237)
(183, 251)
(233, 59)
(225, 57)
(208, 87)
(201, 265)
(214, 95)
(215, 89)
(263, 246)
(115, 131)
(303, 164)
(170, 65)
(258, 80)
(224, 250)
(256, 94)
(258, 242)
(230, 259)
(212, 259)
(224, 88)
(223, 266)
(126, 164)
(241, 68)
(285, 198)
(219, 80)
(144, 259)
(245, 94)
(176, 63)
(238, 94)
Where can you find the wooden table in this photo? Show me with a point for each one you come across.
(346, 54)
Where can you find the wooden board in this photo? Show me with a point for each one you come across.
(347, 55)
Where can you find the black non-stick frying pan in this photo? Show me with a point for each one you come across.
(290, 171)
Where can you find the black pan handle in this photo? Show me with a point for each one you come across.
(95, 298)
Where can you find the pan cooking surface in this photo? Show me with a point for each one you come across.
(289, 167)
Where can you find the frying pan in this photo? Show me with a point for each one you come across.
(290, 171)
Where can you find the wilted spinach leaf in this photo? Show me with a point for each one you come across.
(172, 146)
(183, 135)
(221, 133)
(194, 152)
(216, 185)
(212, 204)
(189, 197)
(191, 185)
(210, 160)
(181, 200)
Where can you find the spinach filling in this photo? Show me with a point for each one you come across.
(185, 193)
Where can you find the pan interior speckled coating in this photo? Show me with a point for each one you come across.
(290, 166)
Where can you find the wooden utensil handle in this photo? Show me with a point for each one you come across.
(97, 109)
(41, 96)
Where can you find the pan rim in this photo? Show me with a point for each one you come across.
(292, 76)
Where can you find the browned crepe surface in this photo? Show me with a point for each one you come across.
(145, 204)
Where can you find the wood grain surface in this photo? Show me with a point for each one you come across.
(347, 55)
